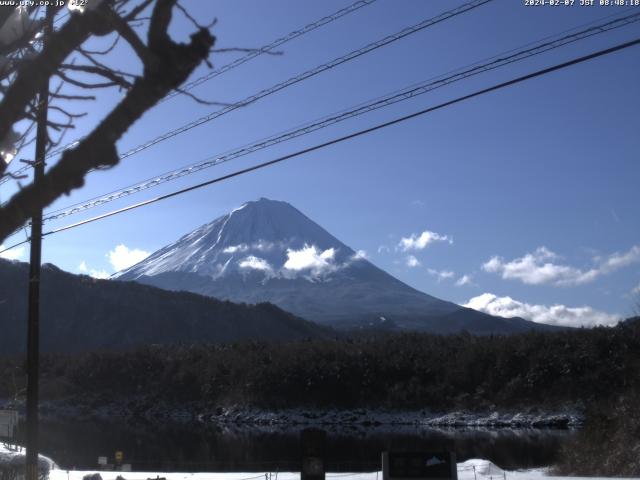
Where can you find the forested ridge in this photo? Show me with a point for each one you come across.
(595, 371)
(409, 370)
(81, 313)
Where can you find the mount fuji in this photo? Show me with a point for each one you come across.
(268, 251)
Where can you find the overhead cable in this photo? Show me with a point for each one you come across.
(227, 67)
(300, 77)
(350, 136)
(402, 95)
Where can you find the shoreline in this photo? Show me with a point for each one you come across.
(331, 418)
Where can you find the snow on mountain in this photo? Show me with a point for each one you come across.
(268, 250)
(265, 236)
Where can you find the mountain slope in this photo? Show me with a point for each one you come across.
(269, 251)
(82, 313)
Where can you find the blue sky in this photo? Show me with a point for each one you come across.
(534, 186)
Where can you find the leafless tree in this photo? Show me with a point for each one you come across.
(67, 60)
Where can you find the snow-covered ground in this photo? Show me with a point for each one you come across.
(475, 469)
(15, 456)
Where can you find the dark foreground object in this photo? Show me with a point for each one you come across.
(609, 445)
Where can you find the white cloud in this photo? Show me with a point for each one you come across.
(420, 242)
(463, 280)
(636, 289)
(311, 258)
(122, 257)
(551, 315)
(538, 268)
(383, 248)
(263, 245)
(235, 248)
(13, 254)
(310, 262)
(412, 262)
(101, 274)
(260, 245)
(617, 260)
(360, 255)
(441, 274)
(255, 263)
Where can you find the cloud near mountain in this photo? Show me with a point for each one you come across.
(541, 267)
(422, 240)
(551, 315)
(268, 250)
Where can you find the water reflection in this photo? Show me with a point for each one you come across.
(198, 447)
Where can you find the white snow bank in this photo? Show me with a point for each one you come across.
(481, 467)
(10, 457)
(484, 470)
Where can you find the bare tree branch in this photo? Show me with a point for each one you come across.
(132, 38)
(106, 51)
(99, 64)
(201, 100)
(109, 74)
(193, 21)
(26, 37)
(173, 64)
(32, 74)
(134, 12)
(81, 84)
(72, 97)
(66, 113)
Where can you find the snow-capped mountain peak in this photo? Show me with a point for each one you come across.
(268, 251)
(265, 237)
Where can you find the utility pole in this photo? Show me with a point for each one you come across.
(35, 259)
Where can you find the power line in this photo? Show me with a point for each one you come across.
(497, 61)
(230, 66)
(350, 136)
(251, 55)
(310, 73)
(306, 75)
(15, 245)
(275, 44)
(25, 168)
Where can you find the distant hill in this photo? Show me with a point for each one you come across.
(80, 313)
(269, 251)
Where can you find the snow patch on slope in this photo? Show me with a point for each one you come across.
(263, 236)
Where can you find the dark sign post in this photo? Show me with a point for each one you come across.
(419, 465)
(313, 454)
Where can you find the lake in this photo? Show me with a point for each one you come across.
(190, 447)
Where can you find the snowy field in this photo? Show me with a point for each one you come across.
(470, 470)
(475, 469)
